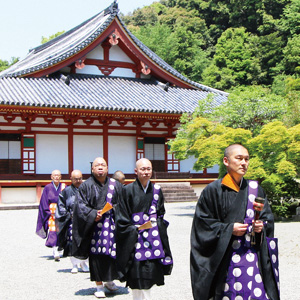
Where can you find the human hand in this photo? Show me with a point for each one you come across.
(257, 225)
(258, 206)
(239, 229)
(99, 215)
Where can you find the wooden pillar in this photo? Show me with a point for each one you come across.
(70, 148)
(105, 141)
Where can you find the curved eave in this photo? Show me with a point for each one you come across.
(71, 59)
(74, 45)
(89, 112)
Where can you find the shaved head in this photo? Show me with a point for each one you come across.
(76, 173)
(100, 169)
(55, 172)
(143, 170)
(142, 161)
(76, 178)
(229, 150)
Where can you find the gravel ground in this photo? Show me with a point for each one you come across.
(29, 272)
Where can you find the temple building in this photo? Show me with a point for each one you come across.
(95, 90)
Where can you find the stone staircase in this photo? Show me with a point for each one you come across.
(178, 192)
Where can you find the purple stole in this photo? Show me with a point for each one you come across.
(244, 280)
(103, 240)
(149, 244)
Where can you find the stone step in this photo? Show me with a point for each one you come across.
(174, 183)
(177, 191)
(181, 199)
(192, 193)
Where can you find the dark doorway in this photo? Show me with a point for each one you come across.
(10, 153)
(155, 151)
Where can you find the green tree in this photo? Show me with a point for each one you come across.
(250, 108)
(235, 62)
(291, 56)
(51, 37)
(4, 64)
(274, 154)
(255, 31)
(291, 18)
(275, 164)
(205, 140)
(269, 50)
(289, 87)
(178, 48)
(160, 39)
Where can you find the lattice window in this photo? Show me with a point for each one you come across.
(28, 154)
(173, 164)
(140, 148)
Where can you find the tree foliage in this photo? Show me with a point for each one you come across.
(225, 44)
(274, 152)
(250, 108)
(4, 64)
(51, 37)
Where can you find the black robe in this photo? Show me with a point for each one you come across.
(217, 209)
(139, 274)
(90, 198)
(63, 218)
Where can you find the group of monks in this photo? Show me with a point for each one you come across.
(120, 230)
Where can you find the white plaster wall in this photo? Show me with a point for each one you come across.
(86, 149)
(51, 153)
(18, 195)
(122, 72)
(187, 165)
(13, 128)
(91, 70)
(49, 128)
(121, 151)
(117, 54)
(97, 53)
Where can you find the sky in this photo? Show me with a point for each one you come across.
(23, 23)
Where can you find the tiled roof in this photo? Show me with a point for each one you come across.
(78, 38)
(101, 93)
(64, 46)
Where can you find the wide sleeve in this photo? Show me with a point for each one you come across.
(83, 221)
(209, 227)
(162, 227)
(210, 237)
(126, 232)
(62, 217)
(43, 215)
(265, 260)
